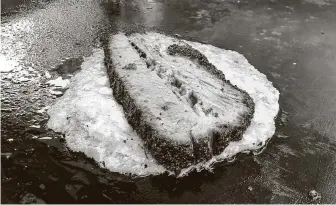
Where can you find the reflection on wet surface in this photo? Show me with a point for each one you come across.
(69, 67)
(293, 43)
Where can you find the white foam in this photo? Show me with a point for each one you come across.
(242, 74)
(95, 124)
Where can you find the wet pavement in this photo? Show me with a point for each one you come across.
(292, 42)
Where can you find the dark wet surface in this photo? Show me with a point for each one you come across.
(292, 42)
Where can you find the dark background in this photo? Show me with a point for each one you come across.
(293, 42)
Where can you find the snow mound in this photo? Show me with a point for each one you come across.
(94, 123)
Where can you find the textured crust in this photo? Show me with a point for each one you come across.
(228, 133)
(167, 152)
(171, 154)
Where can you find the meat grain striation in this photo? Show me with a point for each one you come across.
(179, 103)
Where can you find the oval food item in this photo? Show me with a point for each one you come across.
(179, 103)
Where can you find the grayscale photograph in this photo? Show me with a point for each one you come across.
(168, 101)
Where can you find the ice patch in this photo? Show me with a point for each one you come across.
(45, 138)
(47, 74)
(10, 58)
(14, 50)
(59, 82)
(319, 2)
(95, 124)
(55, 92)
(35, 126)
(6, 65)
(282, 136)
